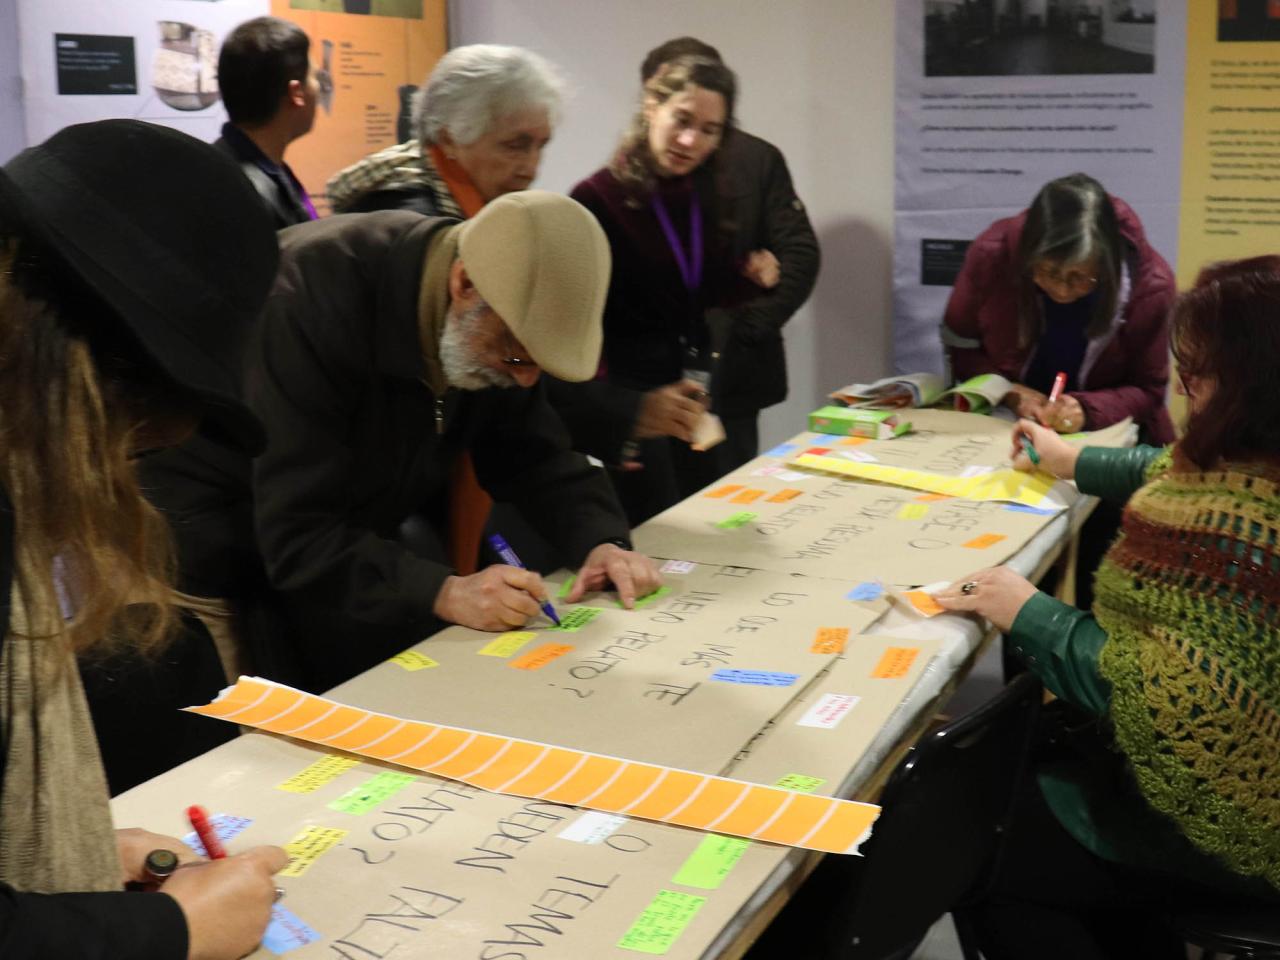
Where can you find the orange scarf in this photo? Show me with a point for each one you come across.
(469, 505)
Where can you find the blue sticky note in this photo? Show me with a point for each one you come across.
(756, 678)
(782, 450)
(225, 826)
(867, 590)
(286, 932)
(1023, 508)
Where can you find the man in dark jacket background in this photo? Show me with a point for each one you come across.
(749, 361)
(392, 343)
(270, 91)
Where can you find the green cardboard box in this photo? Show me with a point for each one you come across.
(858, 422)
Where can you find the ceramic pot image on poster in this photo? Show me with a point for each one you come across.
(185, 72)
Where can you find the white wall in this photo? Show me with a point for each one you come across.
(816, 79)
(12, 133)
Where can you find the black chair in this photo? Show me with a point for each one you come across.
(934, 849)
(1247, 933)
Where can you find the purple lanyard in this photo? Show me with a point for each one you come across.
(691, 266)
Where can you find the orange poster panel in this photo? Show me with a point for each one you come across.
(376, 60)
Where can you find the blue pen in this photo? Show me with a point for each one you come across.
(503, 549)
(1031, 451)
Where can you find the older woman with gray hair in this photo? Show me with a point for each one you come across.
(482, 122)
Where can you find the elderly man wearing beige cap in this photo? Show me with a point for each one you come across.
(391, 344)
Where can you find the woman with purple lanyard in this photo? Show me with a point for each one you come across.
(659, 206)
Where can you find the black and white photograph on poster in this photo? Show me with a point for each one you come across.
(1248, 21)
(90, 65)
(973, 148)
(185, 71)
(991, 38)
(404, 9)
(163, 54)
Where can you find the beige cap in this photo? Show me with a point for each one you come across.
(541, 261)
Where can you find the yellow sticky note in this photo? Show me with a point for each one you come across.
(724, 491)
(413, 660)
(507, 644)
(540, 657)
(923, 603)
(782, 496)
(830, 640)
(913, 511)
(308, 846)
(316, 775)
(747, 496)
(895, 663)
(984, 541)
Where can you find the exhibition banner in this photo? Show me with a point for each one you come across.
(996, 97)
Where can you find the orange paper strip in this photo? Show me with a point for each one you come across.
(747, 496)
(830, 640)
(984, 541)
(528, 769)
(724, 491)
(782, 496)
(923, 602)
(895, 663)
(539, 657)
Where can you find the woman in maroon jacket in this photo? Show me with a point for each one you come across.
(1068, 285)
(660, 204)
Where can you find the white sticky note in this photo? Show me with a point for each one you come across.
(828, 711)
(678, 566)
(592, 827)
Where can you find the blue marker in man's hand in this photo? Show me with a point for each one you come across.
(503, 549)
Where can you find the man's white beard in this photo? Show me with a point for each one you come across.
(458, 355)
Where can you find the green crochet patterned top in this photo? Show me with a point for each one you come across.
(1189, 598)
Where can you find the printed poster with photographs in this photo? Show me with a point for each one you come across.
(157, 60)
(996, 97)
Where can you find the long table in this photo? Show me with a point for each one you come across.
(392, 863)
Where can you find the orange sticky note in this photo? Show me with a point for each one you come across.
(830, 640)
(782, 496)
(724, 491)
(538, 658)
(747, 496)
(931, 497)
(853, 441)
(895, 663)
(923, 602)
(984, 541)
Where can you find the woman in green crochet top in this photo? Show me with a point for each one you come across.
(1168, 788)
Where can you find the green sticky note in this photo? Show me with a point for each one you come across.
(736, 521)
(800, 783)
(649, 598)
(565, 588)
(372, 793)
(708, 865)
(663, 920)
(574, 619)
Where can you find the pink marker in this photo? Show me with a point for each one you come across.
(1059, 382)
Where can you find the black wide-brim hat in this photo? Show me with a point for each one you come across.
(167, 231)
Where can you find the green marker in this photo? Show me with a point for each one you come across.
(1031, 451)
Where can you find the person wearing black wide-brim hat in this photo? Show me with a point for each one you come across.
(132, 260)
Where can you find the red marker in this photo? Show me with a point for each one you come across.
(1059, 382)
(204, 830)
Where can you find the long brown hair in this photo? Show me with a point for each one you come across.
(1226, 328)
(633, 164)
(1071, 221)
(71, 408)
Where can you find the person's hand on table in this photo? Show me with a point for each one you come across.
(632, 574)
(497, 598)
(227, 902)
(1025, 402)
(133, 844)
(671, 411)
(762, 269)
(1056, 455)
(1064, 415)
(996, 593)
